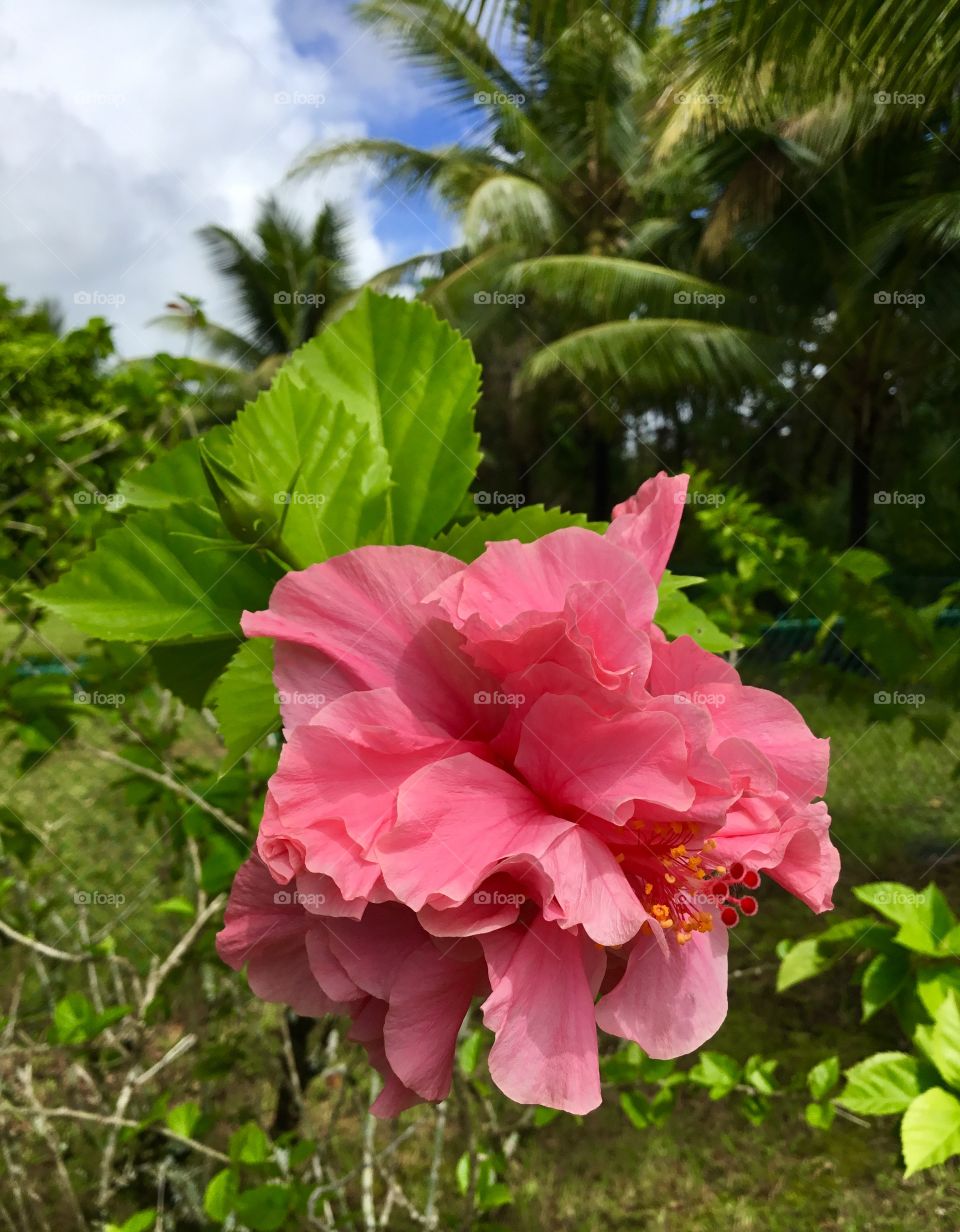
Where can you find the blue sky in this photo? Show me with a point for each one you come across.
(130, 126)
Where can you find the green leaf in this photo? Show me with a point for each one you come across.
(264, 1208)
(174, 478)
(813, 955)
(930, 1130)
(924, 917)
(820, 1116)
(882, 1084)
(823, 1077)
(636, 1108)
(934, 984)
(943, 1042)
(244, 698)
(467, 541)
(73, 1019)
(163, 576)
(308, 469)
(717, 1071)
(142, 1221)
(220, 1196)
(759, 1073)
(413, 383)
(885, 975)
(468, 1054)
(677, 615)
(249, 1145)
(183, 1118)
(189, 669)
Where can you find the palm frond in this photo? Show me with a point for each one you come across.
(654, 356)
(609, 286)
(510, 208)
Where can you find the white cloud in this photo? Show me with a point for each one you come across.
(130, 125)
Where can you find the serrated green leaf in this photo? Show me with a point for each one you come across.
(163, 577)
(244, 698)
(676, 615)
(943, 1042)
(924, 917)
(307, 465)
(189, 669)
(813, 955)
(934, 984)
(886, 974)
(413, 382)
(174, 478)
(881, 1085)
(467, 541)
(930, 1130)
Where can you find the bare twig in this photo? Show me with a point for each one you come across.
(172, 784)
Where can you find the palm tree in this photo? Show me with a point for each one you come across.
(838, 210)
(286, 279)
(569, 231)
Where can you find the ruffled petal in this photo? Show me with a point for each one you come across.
(646, 524)
(671, 999)
(541, 1010)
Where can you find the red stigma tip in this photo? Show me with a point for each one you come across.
(751, 879)
(737, 871)
(719, 889)
(749, 905)
(729, 917)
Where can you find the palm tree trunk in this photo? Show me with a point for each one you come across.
(860, 472)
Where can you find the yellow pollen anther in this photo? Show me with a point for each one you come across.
(648, 888)
(678, 851)
(710, 845)
(721, 869)
(670, 879)
(683, 937)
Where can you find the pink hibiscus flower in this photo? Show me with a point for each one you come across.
(500, 780)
